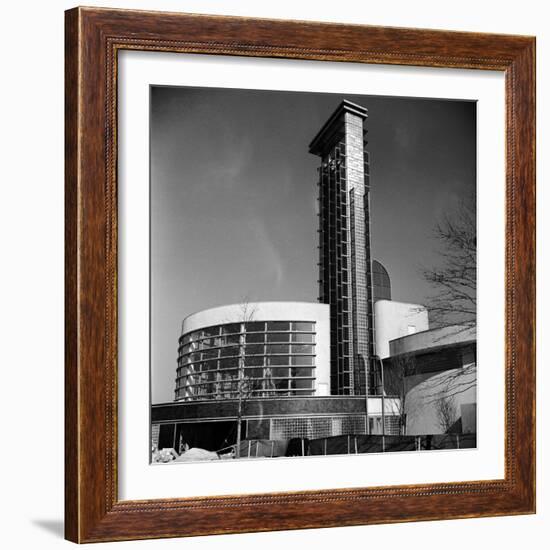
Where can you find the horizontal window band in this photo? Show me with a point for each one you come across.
(232, 344)
(210, 360)
(220, 326)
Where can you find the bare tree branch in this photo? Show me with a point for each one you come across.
(446, 413)
(454, 280)
(395, 385)
(454, 284)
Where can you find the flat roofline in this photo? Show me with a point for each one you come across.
(344, 107)
(421, 307)
(252, 304)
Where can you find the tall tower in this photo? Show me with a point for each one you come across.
(345, 279)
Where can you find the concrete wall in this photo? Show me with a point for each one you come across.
(393, 319)
(423, 391)
(276, 311)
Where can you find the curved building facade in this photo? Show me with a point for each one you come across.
(440, 382)
(259, 350)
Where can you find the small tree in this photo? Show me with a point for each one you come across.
(446, 412)
(245, 386)
(398, 370)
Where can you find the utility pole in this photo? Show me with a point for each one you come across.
(381, 365)
(367, 431)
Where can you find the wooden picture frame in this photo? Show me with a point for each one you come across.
(94, 37)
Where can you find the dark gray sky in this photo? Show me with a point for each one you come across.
(233, 197)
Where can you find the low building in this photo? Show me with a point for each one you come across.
(211, 424)
(440, 382)
(432, 371)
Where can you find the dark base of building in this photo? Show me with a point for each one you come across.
(212, 424)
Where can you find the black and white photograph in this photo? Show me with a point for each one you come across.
(313, 274)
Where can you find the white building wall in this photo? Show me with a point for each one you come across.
(397, 319)
(276, 311)
(456, 387)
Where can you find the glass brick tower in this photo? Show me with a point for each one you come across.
(345, 278)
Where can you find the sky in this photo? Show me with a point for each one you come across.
(234, 189)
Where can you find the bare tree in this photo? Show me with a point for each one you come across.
(454, 283)
(446, 412)
(398, 370)
(454, 279)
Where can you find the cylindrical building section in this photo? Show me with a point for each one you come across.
(264, 349)
(381, 283)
